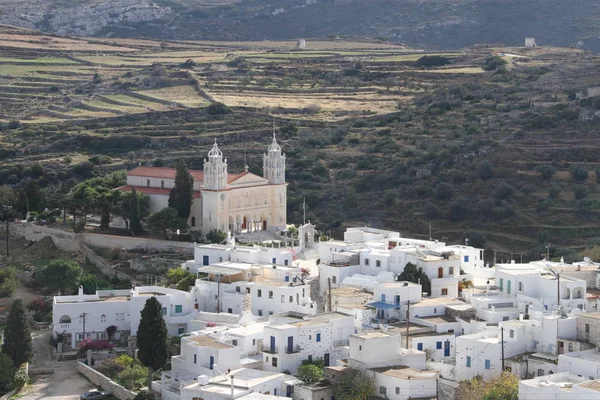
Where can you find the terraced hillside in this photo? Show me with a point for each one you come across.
(371, 134)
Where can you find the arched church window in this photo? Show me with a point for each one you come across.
(103, 318)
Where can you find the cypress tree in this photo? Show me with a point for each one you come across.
(134, 214)
(22, 204)
(153, 349)
(17, 337)
(182, 194)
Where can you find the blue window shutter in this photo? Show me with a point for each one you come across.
(420, 346)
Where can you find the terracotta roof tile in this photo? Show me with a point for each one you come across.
(163, 172)
(152, 190)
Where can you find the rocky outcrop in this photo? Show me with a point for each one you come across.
(82, 20)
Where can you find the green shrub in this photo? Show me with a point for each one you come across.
(581, 191)
(218, 109)
(547, 171)
(578, 173)
(492, 63)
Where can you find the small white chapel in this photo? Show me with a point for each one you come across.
(236, 203)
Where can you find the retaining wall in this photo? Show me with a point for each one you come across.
(105, 382)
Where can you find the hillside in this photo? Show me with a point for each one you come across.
(371, 136)
(437, 24)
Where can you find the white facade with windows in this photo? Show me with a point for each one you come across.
(120, 308)
(271, 289)
(208, 254)
(291, 338)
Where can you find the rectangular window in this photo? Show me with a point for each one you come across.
(259, 293)
(466, 258)
(274, 260)
(237, 289)
(397, 390)
(468, 362)
(508, 286)
(259, 313)
(438, 345)
(420, 346)
(540, 372)
(318, 337)
(520, 286)
(178, 309)
(248, 290)
(270, 294)
(570, 347)
(274, 361)
(234, 342)
(378, 263)
(366, 261)
(587, 328)
(230, 311)
(282, 298)
(488, 364)
(382, 390)
(451, 270)
(512, 334)
(285, 262)
(163, 311)
(333, 279)
(501, 284)
(195, 358)
(444, 292)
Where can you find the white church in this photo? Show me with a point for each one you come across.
(236, 203)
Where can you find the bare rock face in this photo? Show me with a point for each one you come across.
(83, 19)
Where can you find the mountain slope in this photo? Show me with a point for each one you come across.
(428, 23)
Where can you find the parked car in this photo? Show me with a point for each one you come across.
(95, 395)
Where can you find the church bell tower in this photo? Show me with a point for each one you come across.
(274, 164)
(215, 170)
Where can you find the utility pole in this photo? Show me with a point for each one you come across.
(407, 321)
(218, 294)
(502, 340)
(329, 293)
(83, 317)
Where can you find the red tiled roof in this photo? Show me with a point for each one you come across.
(152, 190)
(169, 173)
(163, 172)
(234, 177)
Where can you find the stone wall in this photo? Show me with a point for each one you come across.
(69, 241)
(104, 382)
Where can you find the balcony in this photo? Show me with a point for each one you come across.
(292, 349)
(341, 343)
(271, 349)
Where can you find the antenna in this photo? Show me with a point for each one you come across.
(245, 161)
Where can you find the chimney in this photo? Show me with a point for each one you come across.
(80, 294)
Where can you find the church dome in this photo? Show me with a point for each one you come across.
(215, 152)
(274, 146)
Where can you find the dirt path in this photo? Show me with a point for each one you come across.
(65, 384)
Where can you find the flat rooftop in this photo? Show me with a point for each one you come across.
(207, 341)
(591, 385)
(404, 372)
(438, 319)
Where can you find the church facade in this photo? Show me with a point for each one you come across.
(238, 203)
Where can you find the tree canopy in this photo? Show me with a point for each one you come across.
(165, 221)
(17, 337)
(7, 373)
(411, 274)
(182, 194)
(310, 373)
(152, 339)
(355, 385)
(59, 275)
(503, 387)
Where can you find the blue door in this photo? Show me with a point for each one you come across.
(204, 260)
(447, 348)
(397, 300)
(383, 298)
(290, 344)
(272, 344)
(211, 362)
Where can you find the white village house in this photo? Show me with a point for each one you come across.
(93, 313)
